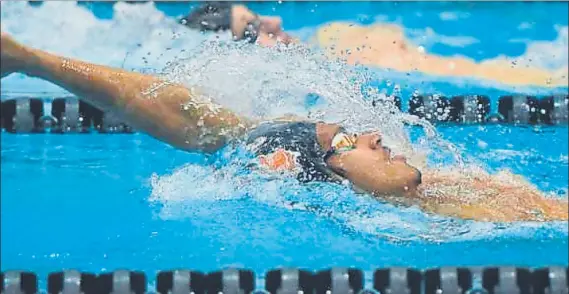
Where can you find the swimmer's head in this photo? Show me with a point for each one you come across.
(211, 16)
(366, 163)
(243, 23)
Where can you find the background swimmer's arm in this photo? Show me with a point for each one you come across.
(169, 112)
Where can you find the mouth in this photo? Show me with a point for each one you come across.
(387, 152)
(399, 158)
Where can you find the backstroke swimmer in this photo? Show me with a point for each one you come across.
(314, 151)
(378, 45)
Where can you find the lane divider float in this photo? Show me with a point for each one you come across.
(70, 115)
(337, 280)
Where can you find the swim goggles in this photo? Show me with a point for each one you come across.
(341, 142)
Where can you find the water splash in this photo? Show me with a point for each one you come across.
(261, 83)
(356, 214)
(265, 83)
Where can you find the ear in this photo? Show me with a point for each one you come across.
(337, 168)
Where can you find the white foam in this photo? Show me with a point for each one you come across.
(182, 193)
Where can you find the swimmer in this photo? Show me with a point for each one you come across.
(243, 23)
(313, 151)
(380, 45)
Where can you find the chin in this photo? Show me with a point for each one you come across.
(418, 177)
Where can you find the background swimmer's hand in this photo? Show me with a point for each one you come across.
(267, 40)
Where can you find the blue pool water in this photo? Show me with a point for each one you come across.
(83, 201)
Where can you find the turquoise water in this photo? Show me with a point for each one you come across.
(83, 201)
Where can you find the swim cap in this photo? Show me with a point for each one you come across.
(211, 16)
(216, 16)
(297, 137)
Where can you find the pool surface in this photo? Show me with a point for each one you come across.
(97, 202)
(83, 201)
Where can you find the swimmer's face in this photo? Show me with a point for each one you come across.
(370, 166)
(269, 27)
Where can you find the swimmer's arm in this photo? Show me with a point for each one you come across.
(167, 111)
(525, 203)
(494, 201)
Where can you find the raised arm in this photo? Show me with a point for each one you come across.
(167, 111)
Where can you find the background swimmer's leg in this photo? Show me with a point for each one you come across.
(169, 112)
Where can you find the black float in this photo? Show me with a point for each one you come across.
(180, 282)
(22, 115)
(18, 282)
(396, 100)
(231, 281)
(506, 280)
(71, 281)
(470, 109)
(289, 281)
(339, 281)
(395, 280)
(554, 110)
(434, 108)
(519, 109)
(550, 280)
(448, 280)
(71, 115)
(122, 282)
